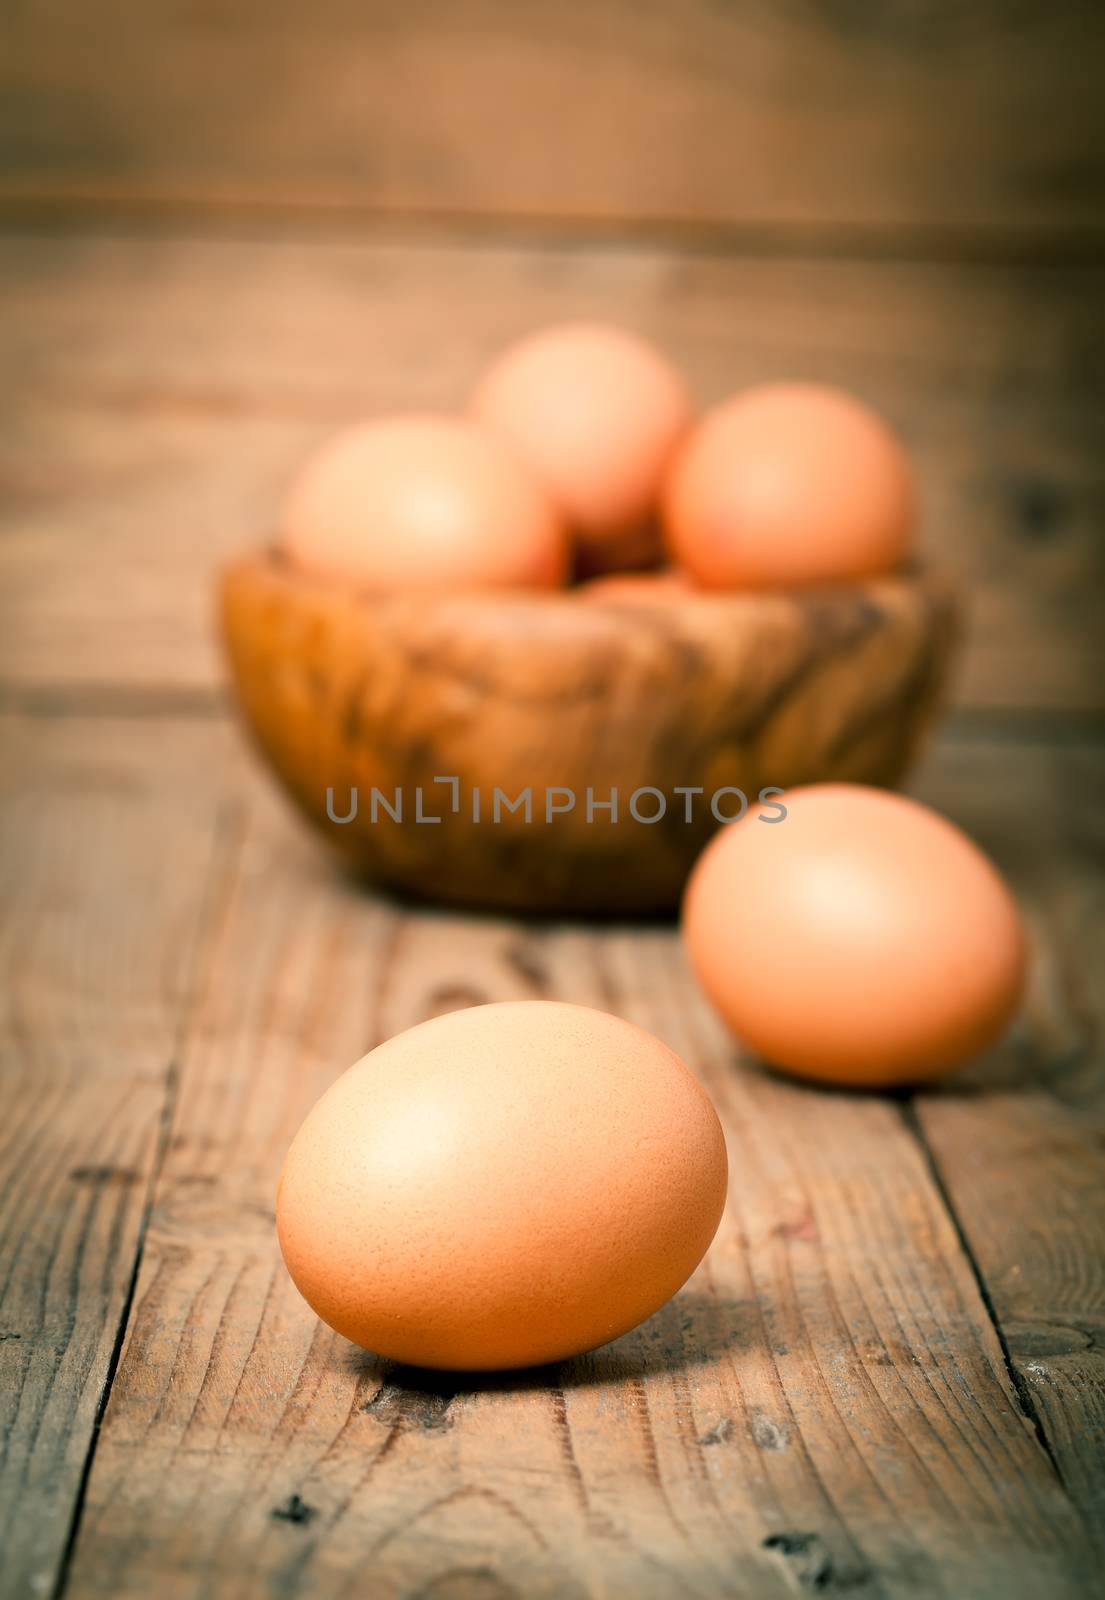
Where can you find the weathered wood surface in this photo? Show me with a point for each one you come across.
(827, 1405)
(927, 117)
(1019, 1139)
(105, 869)
(888, 1378)
(159, 392)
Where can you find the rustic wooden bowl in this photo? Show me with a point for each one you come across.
(346, 691)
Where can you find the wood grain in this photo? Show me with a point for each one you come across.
(162, 390)
(1019, 1141)
(886, 116)
(548, 703)
(827, 1405)
(105, 867)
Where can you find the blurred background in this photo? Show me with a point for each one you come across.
(229, 226)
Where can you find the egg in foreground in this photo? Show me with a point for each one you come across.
(789, 484)
(423, 501)
(597, 412)
(503, 1186)
(861, 940)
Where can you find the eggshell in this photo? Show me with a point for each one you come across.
(638, 588)
(502, 1186)
(423, 501)
(862, 939)
(597, 412)
(789, 484)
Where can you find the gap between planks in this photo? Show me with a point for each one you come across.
(912, 1122)
(195, 217)
(227, 831)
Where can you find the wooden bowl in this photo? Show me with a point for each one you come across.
(346, 691)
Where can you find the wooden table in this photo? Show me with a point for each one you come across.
(888, 1378)
(888, 1375)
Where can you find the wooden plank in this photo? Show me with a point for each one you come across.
(698, 112)
(166, 389)
(1019, 1141)
(105, 867)
(826, 1405)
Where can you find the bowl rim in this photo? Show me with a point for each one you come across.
(916, 575)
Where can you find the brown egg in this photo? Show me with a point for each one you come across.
(423, 502)
(789, 484)
(597, 413)
(638, 588)
(861, 939)
(502, 1187)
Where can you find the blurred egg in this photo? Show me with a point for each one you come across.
(423, 501)
(861, 939)
(502, 1187)
(637, 588)
(597, 413)
(789, 484)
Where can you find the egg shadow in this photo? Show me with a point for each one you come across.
(692, 1330)
(1013, 1065)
